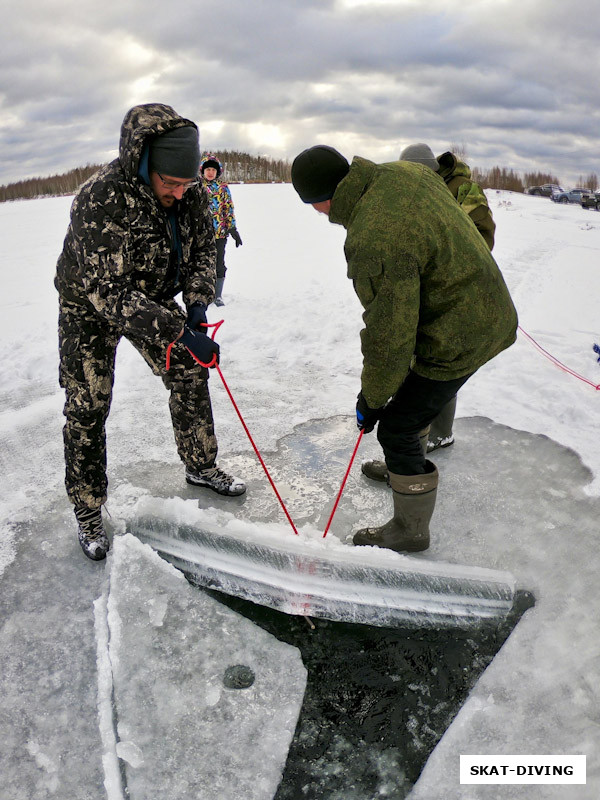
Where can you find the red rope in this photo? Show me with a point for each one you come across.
(558, 363)
(214, 363)
(339, 497)
(255, 448)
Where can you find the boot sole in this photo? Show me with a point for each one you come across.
(418, 549)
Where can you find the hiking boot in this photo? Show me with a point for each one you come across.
(441, 428)
(217, 480)
(414, 501)
(375, 470)
(442, 441)
(219, 301)
(92, 537)
(378, 471)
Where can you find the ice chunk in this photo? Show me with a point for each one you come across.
(182, 732)
(308, 575)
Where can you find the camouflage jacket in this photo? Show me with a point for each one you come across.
(470, 196)
(434, 298)
(117, 258)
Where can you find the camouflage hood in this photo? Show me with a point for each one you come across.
(125, 256)
(141, 124)
(451, 167)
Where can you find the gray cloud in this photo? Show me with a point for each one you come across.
(512, 80)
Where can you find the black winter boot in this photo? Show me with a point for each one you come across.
(217, 480)
(441, 428)
(414, 500)
(92, 537)
(378, 471)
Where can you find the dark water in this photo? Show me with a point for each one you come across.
(377, 700)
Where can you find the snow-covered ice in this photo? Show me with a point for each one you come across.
(519, 490)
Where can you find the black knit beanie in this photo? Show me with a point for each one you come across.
(211, 162)
(176, 153)
(316, 173)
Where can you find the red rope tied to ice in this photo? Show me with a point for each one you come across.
(558, 363)
(339, 497)
(214, 363)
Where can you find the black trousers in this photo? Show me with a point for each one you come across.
(221, 268)
(414, 406)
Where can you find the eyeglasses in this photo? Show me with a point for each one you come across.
(175, 185)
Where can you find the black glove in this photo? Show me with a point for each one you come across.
(196, 315)
(235, 236)
(201, 346)
(366, 417)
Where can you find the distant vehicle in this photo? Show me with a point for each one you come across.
(545, 190)
(572, 196)
(591, 200)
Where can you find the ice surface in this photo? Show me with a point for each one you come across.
(509, 499)
(181, 732)
(311, 576)
(50, 744)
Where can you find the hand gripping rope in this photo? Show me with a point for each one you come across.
(213, 364)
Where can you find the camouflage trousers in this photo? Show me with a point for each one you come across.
(87, 348)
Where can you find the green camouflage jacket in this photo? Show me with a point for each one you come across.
(434, 298)
(470, 196)
(117, 255)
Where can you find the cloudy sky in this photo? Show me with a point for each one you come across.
(513, 82)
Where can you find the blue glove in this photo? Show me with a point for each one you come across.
(201, 346)
(196, 315)
(236, 237)
(366, 417)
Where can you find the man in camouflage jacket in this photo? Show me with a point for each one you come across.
(471, 198)
(140, 233)
(436, 309)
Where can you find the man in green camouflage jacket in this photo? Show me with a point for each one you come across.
(140, 233)
(436, 309)
(471, 198)
(457, 177)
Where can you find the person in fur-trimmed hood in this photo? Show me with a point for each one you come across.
(140, 233)
(436, 309)
(221, 208)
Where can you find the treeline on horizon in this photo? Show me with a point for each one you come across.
(508, 179)
(242, 167)
(238, 167)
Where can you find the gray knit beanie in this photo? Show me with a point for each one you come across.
(422, 154)
(176, 153)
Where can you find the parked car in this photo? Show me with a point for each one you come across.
(572, 196)
(545, 190)
(591, 200)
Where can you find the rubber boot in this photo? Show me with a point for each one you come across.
(378, 471)
(219, 292)
(441, 428)
(414, 501)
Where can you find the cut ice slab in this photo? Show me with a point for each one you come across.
(201, 695)
(307, 575)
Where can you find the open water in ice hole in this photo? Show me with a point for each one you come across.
(377, 699)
